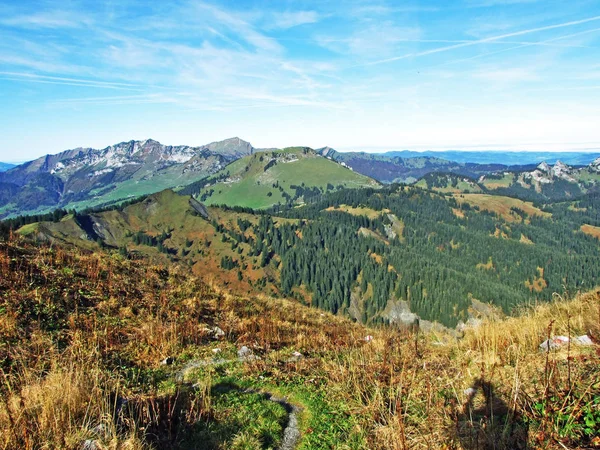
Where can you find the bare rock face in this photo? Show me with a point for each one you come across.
(399, 312)
(544, 167)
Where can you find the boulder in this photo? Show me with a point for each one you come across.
(560, 341)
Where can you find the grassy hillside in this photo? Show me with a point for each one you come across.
(372, 254)
(283, 176)
(84, 335)
(502, 206)
(190, 239)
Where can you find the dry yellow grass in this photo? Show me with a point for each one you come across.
(591, 230)
(360, 211)
(501, 205)
(74, 325)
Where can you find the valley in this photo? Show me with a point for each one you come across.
(358, 251)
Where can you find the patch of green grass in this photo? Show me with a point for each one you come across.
(250, 185)
(29, 229)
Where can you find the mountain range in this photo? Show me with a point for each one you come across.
(86, 177)
(392, 168)
(505, 157)
(543, 183)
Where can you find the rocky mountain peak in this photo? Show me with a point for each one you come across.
(326, 151)
(544, 167)
(559, 165)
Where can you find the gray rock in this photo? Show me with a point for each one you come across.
(296, 356)
(399, 312)
(554, 343)
(244, 353)
(218, 332)
(584, 340)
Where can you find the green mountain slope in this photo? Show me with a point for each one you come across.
(169, 228)
(276, 177)
(448, 182)
(377, 255)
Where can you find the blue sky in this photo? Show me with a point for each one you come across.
(354, 75)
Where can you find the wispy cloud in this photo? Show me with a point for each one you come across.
(243, 66)
(486, 40)
(489, 3)
(55, 19)
(291, 19)
(37, 78)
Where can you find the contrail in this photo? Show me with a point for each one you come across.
(65, 79)
(528, 44)
(483, 41)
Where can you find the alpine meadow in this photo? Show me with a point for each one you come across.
(299, 225)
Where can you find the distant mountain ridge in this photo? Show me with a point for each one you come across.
(544, 182)
(391, 168)
(86, 176)
(5, 166)
(507, 157)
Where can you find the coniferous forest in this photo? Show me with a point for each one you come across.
(427, 249)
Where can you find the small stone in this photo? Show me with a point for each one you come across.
(297, 355)
(244, 352)
(470, 392)
(218, 332)
(216, 350)
(554, 343)
(584, 340)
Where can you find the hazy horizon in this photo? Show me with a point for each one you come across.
(373, 150)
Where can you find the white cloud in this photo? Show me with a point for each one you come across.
(54, 19)
(290, 19)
